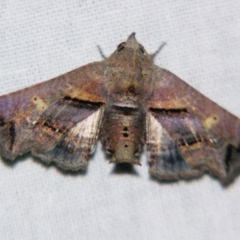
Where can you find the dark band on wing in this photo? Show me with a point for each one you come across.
(12, 133)
(2, 122)
(51, 126)
(169, 111)
(81, 103)
(228, 158)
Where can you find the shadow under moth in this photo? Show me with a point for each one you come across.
(126, 101)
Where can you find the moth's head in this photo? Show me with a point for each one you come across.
(131, 45)
(130, 50)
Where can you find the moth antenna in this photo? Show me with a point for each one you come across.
(101, 52)
(158, 50)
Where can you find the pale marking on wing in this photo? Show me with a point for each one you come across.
(210, 122)
(39, 103)
(87, 129)
(154, 133)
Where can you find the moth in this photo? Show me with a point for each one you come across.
(125, 101)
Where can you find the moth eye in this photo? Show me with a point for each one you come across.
(120, 47)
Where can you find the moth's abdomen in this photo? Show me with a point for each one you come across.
(123, 133)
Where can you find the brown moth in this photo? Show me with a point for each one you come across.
(125, 101)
